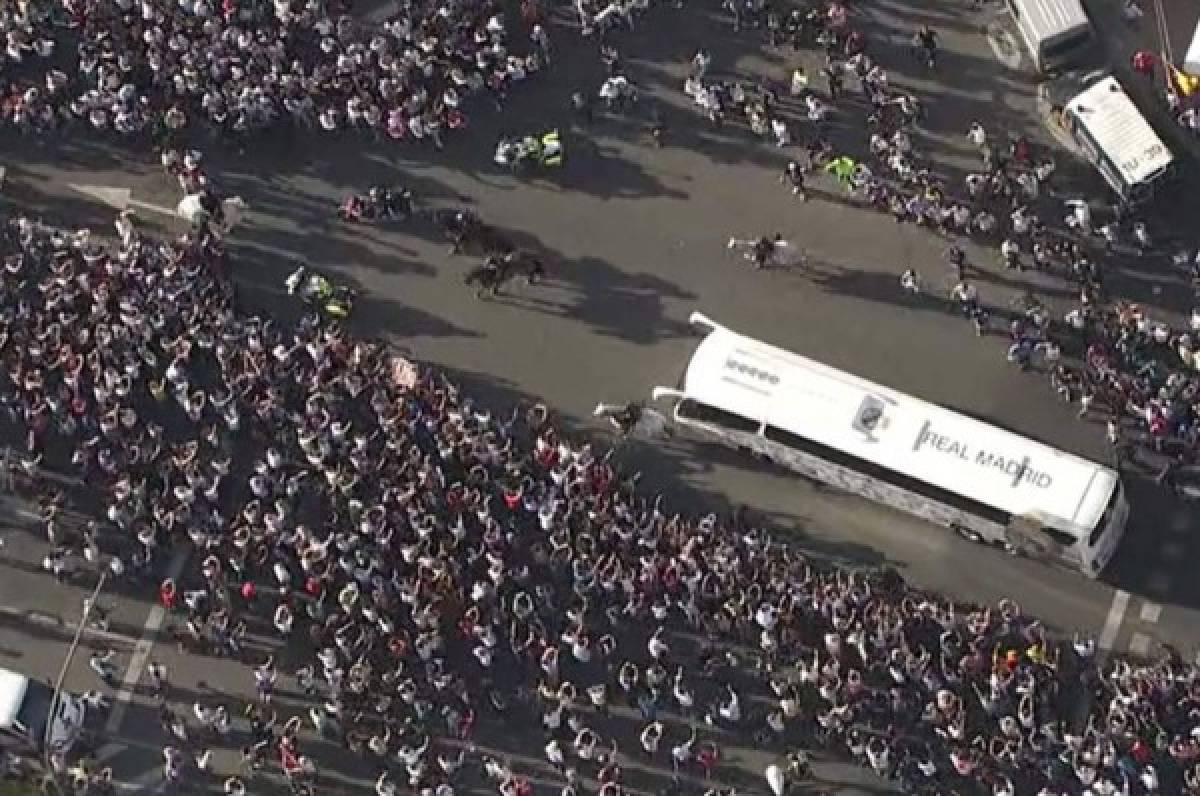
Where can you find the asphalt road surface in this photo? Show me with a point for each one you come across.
(634, 240)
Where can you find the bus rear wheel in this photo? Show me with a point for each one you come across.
(968, 534)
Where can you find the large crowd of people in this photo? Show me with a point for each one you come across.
(443, 566)
(160, 67)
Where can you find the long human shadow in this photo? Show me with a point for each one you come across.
(609, 300)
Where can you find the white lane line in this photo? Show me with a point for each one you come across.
(1112, 624)
(1151, 612)
(1139, 644)
(50, 620)
(141, 652)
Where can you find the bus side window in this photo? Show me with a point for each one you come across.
(703, 413)
(793, 441)
(1060, 538)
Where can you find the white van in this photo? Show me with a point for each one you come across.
(1117, 140)
(1191, 61)
(1057, 33)
(25, 707)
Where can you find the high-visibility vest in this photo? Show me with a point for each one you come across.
(552, 154)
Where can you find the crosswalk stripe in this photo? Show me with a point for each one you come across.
(1112, 623)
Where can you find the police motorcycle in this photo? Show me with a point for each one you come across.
(204, 210)
(377, 204)
(318, 292)
(519, 153)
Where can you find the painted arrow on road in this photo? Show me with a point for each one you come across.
(1003, 45)
(120, 198)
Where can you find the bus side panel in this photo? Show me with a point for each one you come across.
(882, 492)
(857, 483)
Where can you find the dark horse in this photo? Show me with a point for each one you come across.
(495, 272)
(467, 232)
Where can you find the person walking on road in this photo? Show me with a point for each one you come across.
(793, 175)
(101, 663)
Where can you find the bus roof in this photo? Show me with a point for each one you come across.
(1120, 130)
(1049, 18)
(898, 432)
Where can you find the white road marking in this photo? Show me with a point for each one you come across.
(1151, 612)
(1112, 624)
(50, 620)
(1139, 644)
(1003, 45)
(141, 652)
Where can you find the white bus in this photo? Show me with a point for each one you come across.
(988, 484)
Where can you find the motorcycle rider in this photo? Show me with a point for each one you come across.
(317, 291)
(550, 149)
(545, 150)
(379, 202)
(388, 203)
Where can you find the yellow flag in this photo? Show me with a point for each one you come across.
(1184, 83)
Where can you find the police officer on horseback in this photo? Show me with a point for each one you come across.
(627, 418)
(764, 250)
(495, 268)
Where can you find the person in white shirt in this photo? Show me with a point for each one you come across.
(650, 737)
(1010, 253)
(681, 754)
(1079, 217)
(656, 646)
(977, 135)
(554, 754)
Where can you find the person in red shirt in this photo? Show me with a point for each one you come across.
(706, 758)
(168, 594)
(1142, 62)
(1140, 752)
